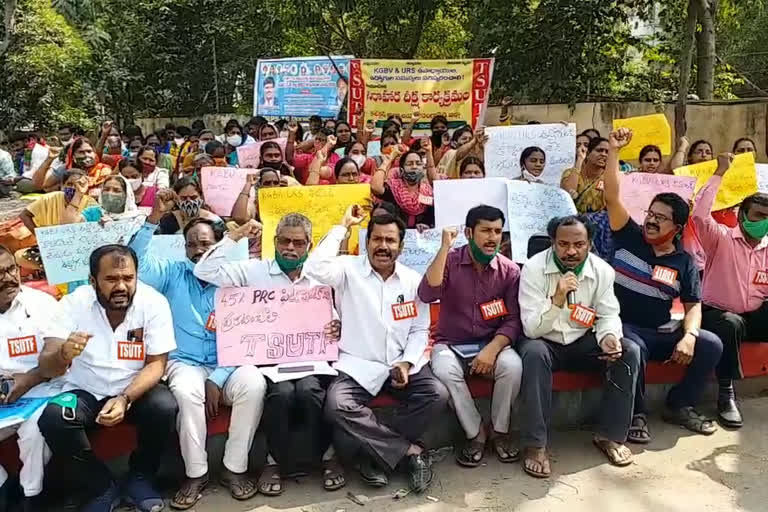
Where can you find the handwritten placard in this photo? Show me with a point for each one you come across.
(419, 249)
(66, 249)
(762, 177)
(221, 186)
(639, 188)
(249, 155)
(739, 182)
(323, 205)
(531, 206)
(506, 144)
(653, 129)
(172, 247)
(454, 198)
(263, 326)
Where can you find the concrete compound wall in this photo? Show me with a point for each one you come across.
(719, 122)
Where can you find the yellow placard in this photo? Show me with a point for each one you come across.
(323, 205)
(738, 183)
(653, 129)
(456, 89)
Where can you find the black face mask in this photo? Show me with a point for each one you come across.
(272, 165)
(437, 139)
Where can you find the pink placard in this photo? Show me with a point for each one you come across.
(639, 188)
(264, 326)
(249, 155)
(221, 186)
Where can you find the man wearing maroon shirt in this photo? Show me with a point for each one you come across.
(479, 321)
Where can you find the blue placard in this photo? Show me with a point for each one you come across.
(300, 87)
(20, 410)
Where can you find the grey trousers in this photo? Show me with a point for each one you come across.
(541, 358)
(507, 373)
(356, 427)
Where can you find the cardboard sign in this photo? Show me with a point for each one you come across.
(249, 155)
(639, 188)
(222, 186)
(506, 144)
(653, 129)
(265, 326)
(454, 198)
(738, 183)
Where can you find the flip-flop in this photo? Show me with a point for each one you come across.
(333, 473)
(192, 487)
(471, 454)
(638, 431)
(611, 453)
(240, 486)
(504, 452)
(533, 454)
(269, 479)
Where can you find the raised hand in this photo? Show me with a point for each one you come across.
(54, 152)
(353, 216)
(74, 346)
(449, 236)
(620, 138)
(724, 161)
(251, 229)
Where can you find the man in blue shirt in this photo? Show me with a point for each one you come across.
(194, 377)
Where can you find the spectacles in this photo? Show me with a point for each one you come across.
(285, 242)
(650, 214)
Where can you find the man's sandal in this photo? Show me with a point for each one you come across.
(471, 454)
(688, 417)
(504, 449)
(333, 475)
(190, 493)
(533, 457)
(270, 483)
(612, 451)
(240, 486)
(638, 431)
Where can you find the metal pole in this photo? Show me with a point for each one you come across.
(216, 76)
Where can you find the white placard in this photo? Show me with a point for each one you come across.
(762, 178)
(531, 207)
(454, 198)
(506, 144)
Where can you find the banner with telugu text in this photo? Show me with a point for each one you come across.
(456, 89)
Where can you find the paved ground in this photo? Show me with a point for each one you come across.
(678, 472)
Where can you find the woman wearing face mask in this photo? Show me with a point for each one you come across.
(143, 195)
(409, 190)
(110, 145)
(356, 151)
(232, 140)
(151, 172)
(532, 161)
(189, 206)
(440, 139)
(67, 206)
(117, 199)
(271, 156)
(464, 143)
(81, 155)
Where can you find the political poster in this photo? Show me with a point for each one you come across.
(222, 186)
(506, 144)
(323, 205)
(456, 89)
(639, 188)
(530, 208)
(66, 249)
(738, 183)
(266, 326)
(454, 198)
(647, 130)
(419, 249)
(300, 87)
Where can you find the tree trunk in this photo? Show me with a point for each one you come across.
(686, 59)
(9, 24)
(706, 49)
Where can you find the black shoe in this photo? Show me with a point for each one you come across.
(728, 413)
(33, 504)
(420, 472)
(372, 474)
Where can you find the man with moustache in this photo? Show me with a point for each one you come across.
(652, 269)
(194, 377)
(121, 332)
(382, 349)
(26, 321)
(571, 322)
(479, 324)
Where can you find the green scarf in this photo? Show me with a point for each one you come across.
(289, 265)
(563, 269)
(479, 255)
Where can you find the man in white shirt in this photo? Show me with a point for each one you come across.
(26, 321)
(121, 334)
(301, 397)
(570, 318)
(384, 335)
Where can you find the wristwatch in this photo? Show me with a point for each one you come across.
(693, 332)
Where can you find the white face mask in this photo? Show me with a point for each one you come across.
(359, 160)
(178, 141)
(527, 176)
(234, 140)
(135, 183)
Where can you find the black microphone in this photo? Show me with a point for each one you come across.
(571, 295)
